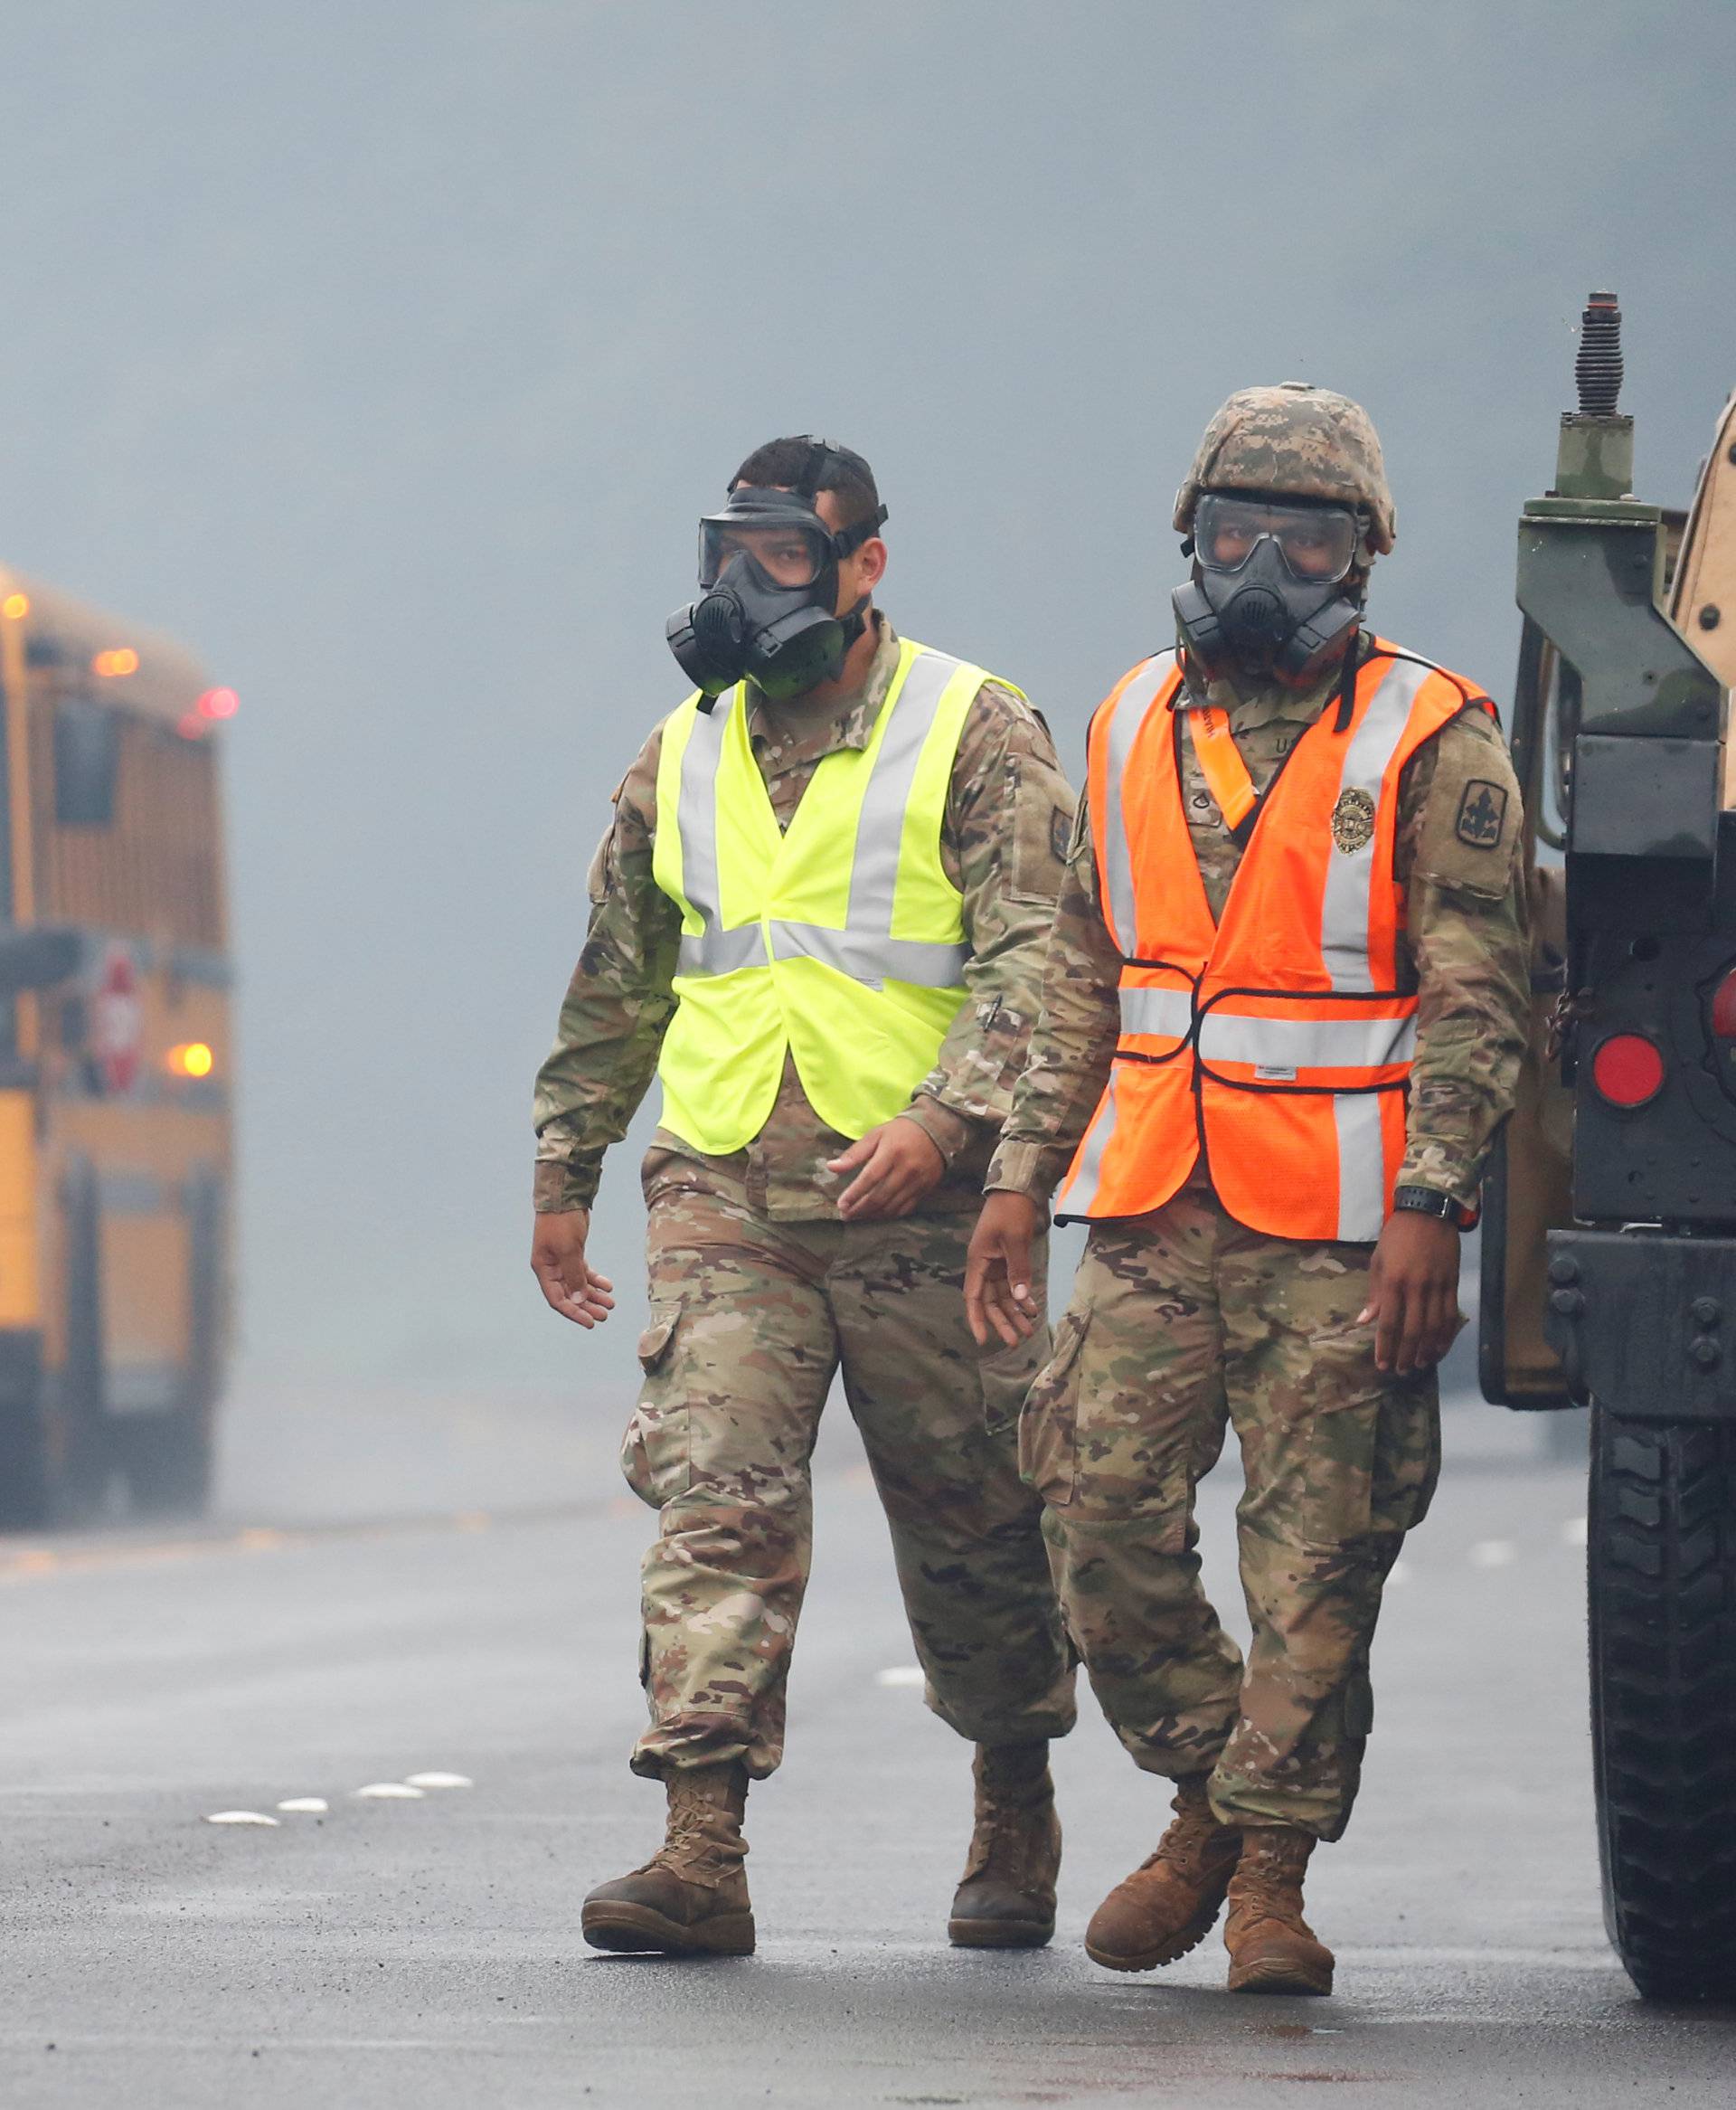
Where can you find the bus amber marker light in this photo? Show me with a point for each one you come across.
(191, 1059)
(123, 660)
(15, 607)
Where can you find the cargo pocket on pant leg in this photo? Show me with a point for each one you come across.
(655, 1452)
(1338, 1497)
(1049, 1423)
(1006, 1376)
(1407, 1453)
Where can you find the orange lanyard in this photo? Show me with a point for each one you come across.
(1221, 764)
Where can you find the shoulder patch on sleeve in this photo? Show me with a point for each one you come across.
(1061, 832)
(1482, 814)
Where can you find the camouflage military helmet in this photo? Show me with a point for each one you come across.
(1296, 439)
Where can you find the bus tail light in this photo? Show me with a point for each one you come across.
(192, 1058)
(1628, 1069)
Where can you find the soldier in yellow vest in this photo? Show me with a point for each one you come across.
(820, 916)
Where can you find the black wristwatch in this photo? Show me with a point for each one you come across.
(1423, 1201)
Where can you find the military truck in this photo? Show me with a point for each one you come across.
(1610, 1227)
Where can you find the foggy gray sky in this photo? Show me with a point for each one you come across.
(387, 353)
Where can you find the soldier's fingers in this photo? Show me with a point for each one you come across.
(996, 1304)
(1386, 1304)
(1415, 1336)
(562, 1300)
(858, 1153)
(1005, 1317)
(975, 1318)
(1443, 1322)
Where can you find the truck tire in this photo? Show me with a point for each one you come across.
(26, 1465)
(1662, 1584)
(82, 1458)
(168, 1459)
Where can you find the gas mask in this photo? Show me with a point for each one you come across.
(1272, 593)
(766, 610)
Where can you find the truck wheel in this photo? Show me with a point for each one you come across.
(1662, 1582)
(166, 1459)
(81, 1456)
(26, 1466)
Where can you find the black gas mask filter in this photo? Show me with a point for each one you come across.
(1272, 593)
(769, 578)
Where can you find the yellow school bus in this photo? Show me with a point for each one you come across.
(114, 1064)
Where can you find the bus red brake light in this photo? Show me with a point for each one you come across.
(1628, 1069)
(1724, 1009)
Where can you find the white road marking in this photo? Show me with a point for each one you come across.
(1575, 1531)
(310, 1806)
(899, 1674)
(239, 1817)
(1493, 1552)
(439, 1780)
(388, 1790)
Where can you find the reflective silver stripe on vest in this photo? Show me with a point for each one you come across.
(716, 951)
(1306, 1044)
(1362, 1165)
(880, 829)
(865, 950)
(1158, 1011)
(871, 959)
(1129, 716)
(713, 950)
(1080, 1198)
(1345, 908)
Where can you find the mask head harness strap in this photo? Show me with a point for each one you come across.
(821, 454)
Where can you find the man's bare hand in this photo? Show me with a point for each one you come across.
(1413, 1293)
(558, 1262)
(997, 1273)
(895, 1166)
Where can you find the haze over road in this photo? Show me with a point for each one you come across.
(426, 1953)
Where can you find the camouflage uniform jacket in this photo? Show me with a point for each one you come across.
(1464, 951)
(1009, 811)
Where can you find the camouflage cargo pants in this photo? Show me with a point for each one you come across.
(750, 1319)
(1181, 1324)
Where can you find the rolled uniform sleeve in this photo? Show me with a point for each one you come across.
(1073, 1046)
(1008, 817)
(617, 1005)
(1458, 857)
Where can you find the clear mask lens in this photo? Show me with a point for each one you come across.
(1316, 543)
(786, 554)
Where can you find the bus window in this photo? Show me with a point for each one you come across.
(86, 756)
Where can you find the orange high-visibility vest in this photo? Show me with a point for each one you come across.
(1276, 1042)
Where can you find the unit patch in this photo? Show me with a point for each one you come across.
(1061, 832)
(1353, 820)
(1482, 810)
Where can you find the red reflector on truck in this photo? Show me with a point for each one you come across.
(1628, 1069)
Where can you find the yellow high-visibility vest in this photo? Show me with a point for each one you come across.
(840, 940)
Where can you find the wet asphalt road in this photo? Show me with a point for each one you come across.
(425, 1952)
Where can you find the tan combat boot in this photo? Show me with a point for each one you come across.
(1169, 1903)
(1272, 1948)
(691, 1898)
(1006, 1898)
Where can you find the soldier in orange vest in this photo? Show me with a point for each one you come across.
(1285, 1007)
